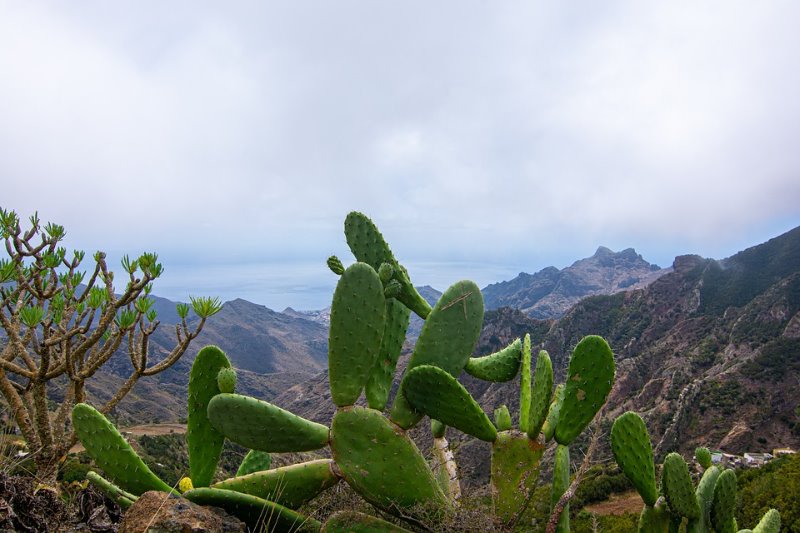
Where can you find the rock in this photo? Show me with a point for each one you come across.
(158, 512)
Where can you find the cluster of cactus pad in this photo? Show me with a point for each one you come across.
(370, 448)
(707, 508)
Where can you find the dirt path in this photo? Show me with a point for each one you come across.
(618, 504)
(144, 429)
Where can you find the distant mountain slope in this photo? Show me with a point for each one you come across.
(709, 354)
(550, 292)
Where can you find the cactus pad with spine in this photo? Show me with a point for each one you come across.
(633, 452)
(256, 512)
(226, 380)
(355, 522)
(654, 519)
(381, 463)
(259, 425)
(290, 486)
(561, 474)
(769, 523)
(358, 316)
(497, 367)
(203, 440)
(382, 374)
(447, 339)
(525, 385)
(704, 494)
(369, 246)
(516, 460)
(589, 380)
(434, 392)
(502, 418)
(112, 453)
(722, 508)
(677, 487)
(550, 423)
(541, 393)
(703, 457)
(254, 461)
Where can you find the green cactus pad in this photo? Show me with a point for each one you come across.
(438, 430)
(290, 486)
(369, 246)
(724, 503)
(502, 418)
(382, 374)
(514, 472)
(335, 265)
(447, 339)
(255, 512)
(677, 486)
(254, 461)
(259, 425)
(703, 457)
(112, 453)
(355, 522)
(497, 367)
(434, 392)
(203, 439)
(381, 463)
(561, 474)
(226, 380)
(633, 452)
(124, 499)
(589, 380)
(541, 393)
(769, 523)
(550, 423)
(525, 385)
(704, 494)
(654, 519)
(358, 317)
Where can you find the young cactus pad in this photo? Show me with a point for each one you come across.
(290, 486)
(677, 486)
(447, 339)
(703, 456)
(358, 316)
(550, 423)
(498, 367)
(381, 463)
(369, 246)
(502, 418)
(123, 499)
(226, 380)
(204, 440)
(561, 474)
(257, 513)
(382, 374)
(769, 523)
(112, 452)
(589, 380)
(525, 385)
(540, 394)
(434, 392)
(704, 493)
(259, 425)
(722, 508)
(633, 452)
(254, 461)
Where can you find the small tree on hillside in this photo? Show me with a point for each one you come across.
(58, 323)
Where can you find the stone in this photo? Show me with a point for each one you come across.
(158, 512)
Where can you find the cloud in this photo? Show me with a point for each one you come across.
(521, 132)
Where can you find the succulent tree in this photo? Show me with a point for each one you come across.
(62, 322)
(707, 508)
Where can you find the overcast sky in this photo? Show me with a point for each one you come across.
(484, 138)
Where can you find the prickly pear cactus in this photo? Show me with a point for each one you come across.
(254, 461)
(358, 317)
(633, 452)
(677, 487)
(589, 380)
(381, 463)
(112, 452)
(204, 440)
(497, 367)
(561, 474)
(382, 374)
(259, 425)
(550, 423)
(540, 394)
(722, 508)
(502, 418)
(703, 457)
(525, 387)
(516, 460)
(226, 380)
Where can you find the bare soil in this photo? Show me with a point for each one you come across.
(144, 429)
(618, 504)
